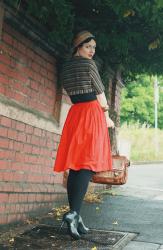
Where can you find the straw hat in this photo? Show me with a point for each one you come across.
(81, 37)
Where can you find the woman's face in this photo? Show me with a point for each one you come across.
(87, 50)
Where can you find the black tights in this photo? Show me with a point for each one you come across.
(77, 185)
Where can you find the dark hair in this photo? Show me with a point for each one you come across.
(81, 44)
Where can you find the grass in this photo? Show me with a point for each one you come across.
(144, 144)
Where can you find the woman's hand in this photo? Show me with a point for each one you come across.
(109, 122)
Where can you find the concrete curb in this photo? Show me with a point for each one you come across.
(124, 241)
(146, 162)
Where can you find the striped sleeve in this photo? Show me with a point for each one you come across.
(96, 79)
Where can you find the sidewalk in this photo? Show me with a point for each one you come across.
(129, 217)
(137, 207)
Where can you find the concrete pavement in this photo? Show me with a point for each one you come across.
(137, 207)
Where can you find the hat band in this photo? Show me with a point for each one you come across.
(82, 38)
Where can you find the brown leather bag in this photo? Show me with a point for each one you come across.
(117, 176)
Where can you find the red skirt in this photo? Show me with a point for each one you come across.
(85, 142)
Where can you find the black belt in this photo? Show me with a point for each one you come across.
(87, 97)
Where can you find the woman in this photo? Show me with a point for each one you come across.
(84, 146)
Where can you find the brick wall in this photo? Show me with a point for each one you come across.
(27, 73)
(29, 128)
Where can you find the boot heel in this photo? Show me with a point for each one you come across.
(81, 227)
(63, 222)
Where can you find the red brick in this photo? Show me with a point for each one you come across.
(34, 85)
(29, 129)
(5, 59)
(36, 67)
(22, 137)
(53, 155)
(32, 159)
(35, 150)
(40, 159)
(30, 73)
(15, 43)
(13, 198)
(18, 177)
(4, 143)
(28, 138)
(19, 97)
(3, 132)
(11, 144)
(31, 197)
(51, 76)
(37, 77)
(19, 157)
(13, 124)
(34, 94)
(6, 121)
(35, 140)
(44, 72)
(2, 89)
(37, 131)
(9, 93)
(20, 126)
(5, 154)
(50, 66)
(3, 197)
(22, 48)
(49, 92)
(30, 53)
(42, 142)
(48, 162)
(4, 79)
(3, 219)
(7, 176)
(7, 38)
(17, 75)
(4, 164)
(25, 90)
(18, 146)
(11, 218)
(51, 144)
(12, 134)
(2, 208)
(16, 166)
(28, 148)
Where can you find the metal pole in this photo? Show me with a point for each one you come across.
(156, 100)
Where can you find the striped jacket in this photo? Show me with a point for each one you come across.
(80, 75)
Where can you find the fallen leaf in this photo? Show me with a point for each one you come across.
(93, 197)
(129, 13)
(50, 213)
(108, 192)
(59, 211)
(94, 248)
(11, 240)
(115, 223)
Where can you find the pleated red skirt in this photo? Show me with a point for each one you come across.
(85, 142)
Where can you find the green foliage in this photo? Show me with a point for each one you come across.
(129, 33)
(137, 104)
(125, 30)
(56, 15)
